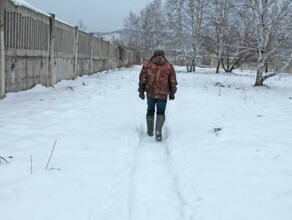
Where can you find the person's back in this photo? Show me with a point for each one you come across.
(158, 75)
(158, 79)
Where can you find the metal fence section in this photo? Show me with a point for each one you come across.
(37, 48)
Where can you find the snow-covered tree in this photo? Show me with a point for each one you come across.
(146, 31)
(234, 31)
(132, 36)
(272, 19)
(153, 27)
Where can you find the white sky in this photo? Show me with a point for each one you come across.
(97, 15)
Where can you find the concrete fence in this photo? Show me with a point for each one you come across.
(37, 48)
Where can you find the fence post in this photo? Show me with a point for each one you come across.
(108, 56)
(76, 38)
(2, 51)
(52, 79)
(91, 53)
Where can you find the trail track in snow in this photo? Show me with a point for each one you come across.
(153, 189)
(145, 185)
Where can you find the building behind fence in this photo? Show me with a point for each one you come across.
(37, 48)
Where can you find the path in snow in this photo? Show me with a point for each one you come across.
(152, 186)
(146, 187)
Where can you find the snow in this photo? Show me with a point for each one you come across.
(112, 37)
(33, 8)
(25, 4)
(226, 152)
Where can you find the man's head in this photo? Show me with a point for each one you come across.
(158, 53)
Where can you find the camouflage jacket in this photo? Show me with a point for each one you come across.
(157, 78)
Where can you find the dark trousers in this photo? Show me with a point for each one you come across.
(160, 106)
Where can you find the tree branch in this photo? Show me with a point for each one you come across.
(51, 154)
(269, 75)
(2, 158)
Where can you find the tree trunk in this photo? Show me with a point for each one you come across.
(193, 66)
(259, 81)
(218, 66)
(260, 69)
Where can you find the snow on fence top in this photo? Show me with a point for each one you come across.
(27, 5)
(23, 3)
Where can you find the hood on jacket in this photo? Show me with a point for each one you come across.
(158, 60)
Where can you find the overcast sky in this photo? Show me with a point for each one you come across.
(97, 15)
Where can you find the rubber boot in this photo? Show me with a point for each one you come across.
(158, 127)
(150, 125)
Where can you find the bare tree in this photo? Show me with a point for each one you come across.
(229, 34)
(272, 18)
(195, 11)
(239, 40)
(175, 15)
(216, 32)
(217, 29)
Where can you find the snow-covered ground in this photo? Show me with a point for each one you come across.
(226, 153)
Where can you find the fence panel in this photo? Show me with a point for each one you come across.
(26, 45)
(64, 51)
(39, 49)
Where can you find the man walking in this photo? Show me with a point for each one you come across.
(158, 79)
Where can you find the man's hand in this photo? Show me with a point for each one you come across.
(171, 96)
(142, 95)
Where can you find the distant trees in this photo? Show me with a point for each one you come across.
(132, 36)
(233, 31)
(184, 25)
(146, 31)
(82, 26)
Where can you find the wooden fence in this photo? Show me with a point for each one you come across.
(37, 48)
